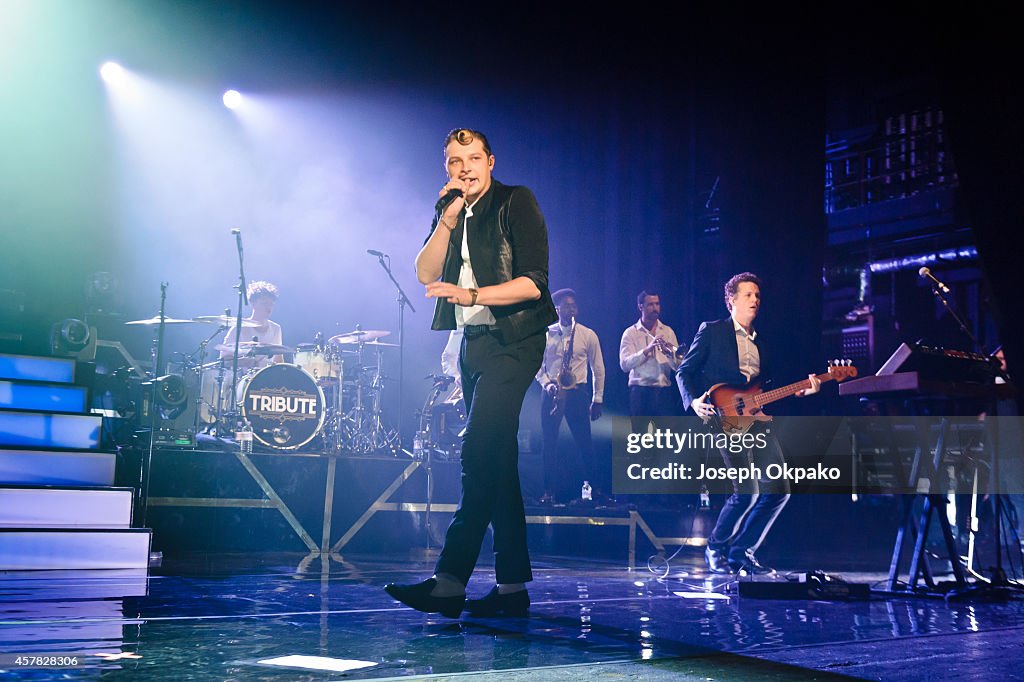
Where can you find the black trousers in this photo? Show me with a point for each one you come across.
(748, 514)
(560, 478)
(652, 401)
(495, 377)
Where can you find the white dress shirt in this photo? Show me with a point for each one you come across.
(586, 351)
(750, 357)
(653, 371)
(477, 314)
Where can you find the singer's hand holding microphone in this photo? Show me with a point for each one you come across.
(452, 199)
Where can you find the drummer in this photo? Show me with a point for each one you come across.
(262, 298)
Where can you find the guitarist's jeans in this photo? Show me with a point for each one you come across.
(751, 510)
(560, 479)
(495, 377)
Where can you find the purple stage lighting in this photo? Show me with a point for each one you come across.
(232, 99)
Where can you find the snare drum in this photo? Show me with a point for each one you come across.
(322, 363)
(285, 406)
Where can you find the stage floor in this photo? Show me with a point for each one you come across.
(227, 617)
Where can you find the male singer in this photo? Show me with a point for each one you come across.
(486, 263)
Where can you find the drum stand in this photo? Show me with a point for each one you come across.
(362, 429)
(201, 352)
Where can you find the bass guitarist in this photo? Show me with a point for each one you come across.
(731, 351)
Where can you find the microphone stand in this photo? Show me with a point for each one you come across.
(976, 346)
(243, 300)
(998, 579)
(151, 399)
(403, 301)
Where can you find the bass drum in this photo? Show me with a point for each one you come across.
(284, 404)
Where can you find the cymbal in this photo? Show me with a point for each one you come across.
(156, 320)
(359, 336)
(223, 319)
(380, 344)
(254, 348)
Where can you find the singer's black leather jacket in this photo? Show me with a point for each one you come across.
(508, 238)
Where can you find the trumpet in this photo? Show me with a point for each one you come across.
(666, 347)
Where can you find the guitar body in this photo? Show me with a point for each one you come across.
(738, 407)
(737, 410)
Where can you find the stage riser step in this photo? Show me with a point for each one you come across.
(34, 550)
(57, 587)
(89, 636)
(37, 467)
(37, 429)
(42, 397)
(37, 368)
(45, 507)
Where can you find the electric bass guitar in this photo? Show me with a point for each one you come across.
(738, 407)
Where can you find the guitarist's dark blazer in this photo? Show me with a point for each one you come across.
(712, 359)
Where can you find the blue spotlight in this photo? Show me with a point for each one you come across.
(232, 99)
(113, 73)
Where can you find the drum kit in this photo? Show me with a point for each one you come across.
(441, 421)
(326, 395)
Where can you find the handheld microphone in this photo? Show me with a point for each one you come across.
(379, 254)
(925, 272)
(449, 196)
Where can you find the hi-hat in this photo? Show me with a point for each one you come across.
(156, 320)
(359, 336)
(254, 348)
(223, 319)
(379, 344)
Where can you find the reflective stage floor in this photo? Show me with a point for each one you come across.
(287, 617)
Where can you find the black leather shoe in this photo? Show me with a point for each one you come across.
(418, 597)
(514, 604)
(717, 561)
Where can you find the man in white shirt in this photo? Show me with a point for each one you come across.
(570, 398)
(262, 299)
(731, 351)
(648, 353)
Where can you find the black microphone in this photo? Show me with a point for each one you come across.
(379, 254)
(449, 196)
(925, 272)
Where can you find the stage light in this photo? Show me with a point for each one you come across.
(69, 337)
(112, 73)
(232, 99)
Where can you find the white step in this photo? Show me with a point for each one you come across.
(37, 368)
(19, 587)
(78, 507)
(44, 430)
(75, 627)
(21, 395)
(70, 468)
(31, 549)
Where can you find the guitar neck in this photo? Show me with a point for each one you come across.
(781, 392)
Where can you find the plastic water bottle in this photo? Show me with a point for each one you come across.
(418, 451)
(586, 493)
(244, 437)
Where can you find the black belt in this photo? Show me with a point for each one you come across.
(472, 331)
